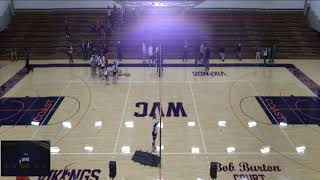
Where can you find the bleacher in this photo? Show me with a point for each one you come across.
(43, 32)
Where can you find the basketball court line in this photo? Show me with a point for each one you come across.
(285, 134)
(186, 81)
(45, 118)
(182, 153)
(294, 112)
(278, 124)
(97, 107)
(66, 87)
(124, 109)
(195, 107)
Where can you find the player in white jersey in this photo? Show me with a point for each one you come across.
(93, 65)
(106, 74)
(155, 123)
(98, 60)
(102, 65)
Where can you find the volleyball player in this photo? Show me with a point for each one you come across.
(155, 123)
(93, 64)
(114, 72)
(98, 60)
(102, 65)
(106, 75)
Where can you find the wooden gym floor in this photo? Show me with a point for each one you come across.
(218, 109)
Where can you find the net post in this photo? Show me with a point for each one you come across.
(160, 141)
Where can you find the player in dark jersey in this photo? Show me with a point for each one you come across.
(114, 72)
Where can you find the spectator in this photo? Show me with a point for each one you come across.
(93, 49)
(150, 53)
(123, 12)
(185, 51)
(27, 57)
(239, 48)
(258, 53)
(98, 24)
(105, 49)
(154, 52)
(269, 49)
(14, 54)
(196, 53)
(201, 56)
(83, 49)
(265, 56)
(102, 30)
(70, 53)
(157, 54)
(108, 12)
(113, 15)
(222, 55)
(114, 8)
(109, 27)
(161, 59)
(273, 52)
(88, 50)
(119, 51)
(67, 27)
(144, 52)
(206, 58)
